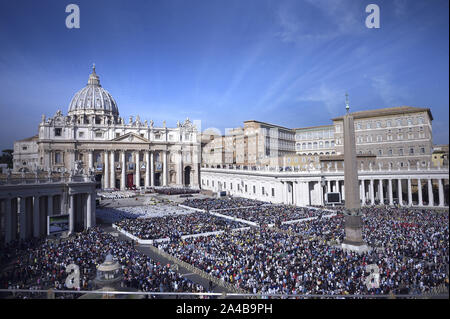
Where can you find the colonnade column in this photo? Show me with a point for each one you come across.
(21, 201)
(419, 191)
(50, 205)
(399, 191)
(152, 170)
(138, 171)
(147, 169)
(106, 170)
(36, 217)
(122, 173)
(409, 192)
(363, 192)
(391, 196)
(372, 193)
(441, 193)
(380, 191)
(112, 178)
(8, 221)
(430, 193)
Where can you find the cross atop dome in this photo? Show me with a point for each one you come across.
(93, 77)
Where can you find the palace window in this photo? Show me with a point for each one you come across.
(58, 131)
(98, 134)
(273, 192)
(58, 158)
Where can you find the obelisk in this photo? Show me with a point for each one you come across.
(353, 221)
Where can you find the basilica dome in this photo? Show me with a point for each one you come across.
(93, 99)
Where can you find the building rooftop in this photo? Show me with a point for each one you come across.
(387, 111)
(29, 139)
(313, 127)
(268, 124)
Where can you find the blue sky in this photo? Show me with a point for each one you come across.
(223, 62)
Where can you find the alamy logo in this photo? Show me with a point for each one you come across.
(373, 19)
(373, 280)
(73, 280)
(73, 19)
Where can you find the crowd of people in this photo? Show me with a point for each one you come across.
(214, 204)
(273, 214)
(165, 190)
(44, 266)
(410, 250)
(174, 226)
(115, 214)
(116, 194)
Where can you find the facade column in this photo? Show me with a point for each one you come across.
(89, 211)
(21, 201)
(380, 191)
(165, 168)
(8, 221)
(328, 186)
(71, 214)
(409, 192)
(112, 178)
(441, 193)
(36, 217)
(122, 173)
(147, 169)
(399, 191)
(372, 193)
(391, 196)
(106, 170)
(152, 170)
(419, 191)
(180, 168)
(138, 170)
(91, 160)
(336, 186)
(430, 193)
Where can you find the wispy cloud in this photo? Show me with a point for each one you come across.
(331, 97)
(332, 18)
(390, 93)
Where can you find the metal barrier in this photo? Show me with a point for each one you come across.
(52, 293)
(199, 272)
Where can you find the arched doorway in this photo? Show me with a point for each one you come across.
(187, 176)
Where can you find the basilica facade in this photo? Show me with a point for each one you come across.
(120, 154)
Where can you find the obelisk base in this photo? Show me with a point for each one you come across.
(353, 235)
